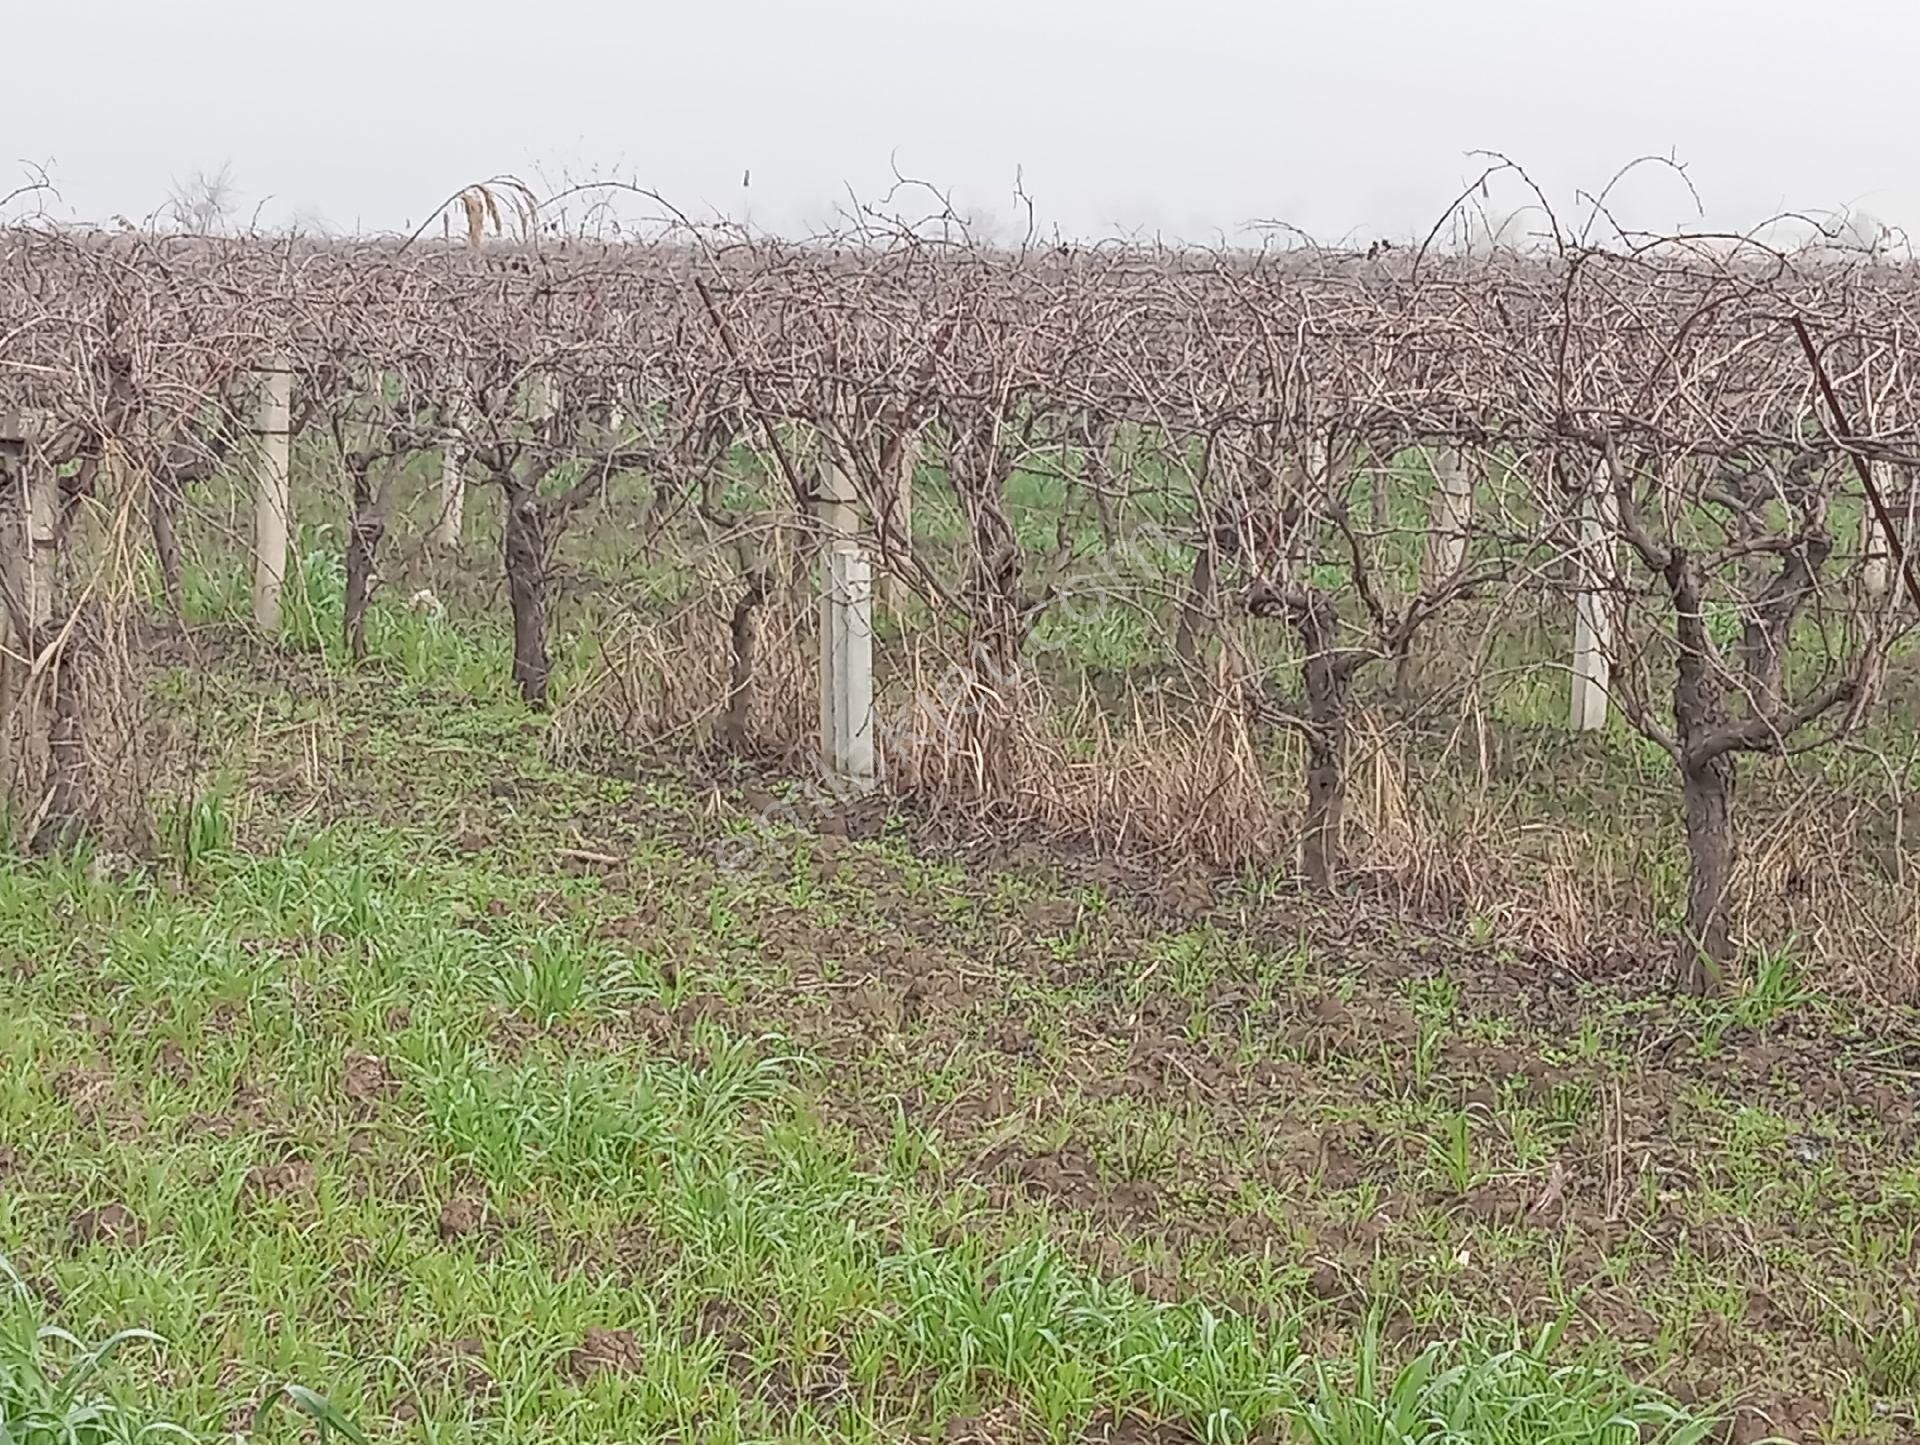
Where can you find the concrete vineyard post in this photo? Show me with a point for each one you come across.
(31, 509)
(848, 647)
(833, 511)
(272, 503)
(1300, 476)
(1593, 606)
(453, 493)
(846, 638)
(13, 506)
(1449, 518)
(837, 508)
(1876, 550)
(35, 507)
(16, 552)
(541, 397)
(450, 519)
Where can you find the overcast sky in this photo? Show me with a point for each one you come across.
(1349, 118)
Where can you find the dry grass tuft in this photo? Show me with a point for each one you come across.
(665, 680)
(1176, 778)
(1186, 778)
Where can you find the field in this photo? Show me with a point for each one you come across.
(443, 995)
(489, 1097)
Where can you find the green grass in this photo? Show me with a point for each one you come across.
(387, 1106)
(286, 1206)
(54, 1387)
(371, 1087)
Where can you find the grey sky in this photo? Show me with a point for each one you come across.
(1342, 116)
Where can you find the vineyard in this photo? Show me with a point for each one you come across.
(649, 832)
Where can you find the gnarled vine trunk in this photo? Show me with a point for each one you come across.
(733, 726)
(1329, 680)
(1707, 791)
(1706, 783)
(1198, 606)
(1328, 673)
(163, 505)
(363, 544)
(366, 526)
(524, 545)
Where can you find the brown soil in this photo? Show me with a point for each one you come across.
(461, 1218)
(170, 1062)
(455, 1369)
(605, 1351)
(291, 1179)
(112, 1225)
(367, 1081)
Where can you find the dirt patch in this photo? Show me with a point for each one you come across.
(170, 1062)
(367, 1082)
(1002, 1426)
(453, 1370)
(112, 1225)
(461, 1217)
(1050, 915)
(1329, 1282)
(285, 1182)
(250, 1112)
(1107, 1428)
(605, 1352)
(1069, 1176)
(826, 1381)
(641, 1256)
(1780, 1422)
(1345, 1155)
(90, 1094)
(1187, 895)
(1494, 1204)
(85, 1091)
(726, 1324)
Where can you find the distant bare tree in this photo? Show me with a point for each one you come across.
(203, 203)
(311, 221)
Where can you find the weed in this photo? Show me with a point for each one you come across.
(1450, 1151)
(54, 1388)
